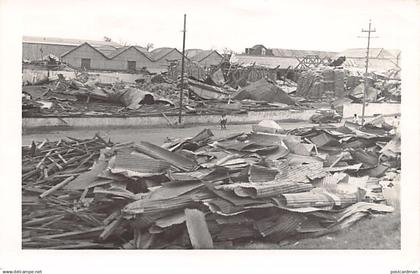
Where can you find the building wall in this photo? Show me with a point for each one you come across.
(32, 51)
(97, 60)
(213, 59)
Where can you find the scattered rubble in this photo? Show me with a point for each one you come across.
(156, 94)
(204, 192)
(335, 83)
(264, 90)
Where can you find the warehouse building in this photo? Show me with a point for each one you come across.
(87, 57)
(128, 58)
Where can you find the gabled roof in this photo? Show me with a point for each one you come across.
(145, 52)
(86, 44)
(110, 54)
(119, 51)
(200, 56)
(66, 41)
(105, 49)
(159, 53)
(301, 53)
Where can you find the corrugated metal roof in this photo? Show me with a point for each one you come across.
(264, 61)
(375, 64)
(192, 52)
(86, 44)
(66, 41)
(373, 53)
(301, 53)
(199, 55)
(159, 53)
(119, 51)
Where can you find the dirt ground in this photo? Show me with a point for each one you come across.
(153, 135)
(379, 232)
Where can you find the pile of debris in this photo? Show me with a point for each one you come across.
(264, 90)
(321, 82)
(204, 192)
(331, 83)
(157, 94)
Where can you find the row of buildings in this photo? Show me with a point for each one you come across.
(111, 56)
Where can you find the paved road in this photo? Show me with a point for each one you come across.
(154, 135)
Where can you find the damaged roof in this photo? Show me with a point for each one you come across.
(373, 53)
(264, 61)
(301, 53)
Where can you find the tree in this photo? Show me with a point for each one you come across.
(149, 46)
(107, 39)
(227, 51)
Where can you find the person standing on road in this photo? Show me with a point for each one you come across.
(395, 125)
(356, 119)
(223, 121)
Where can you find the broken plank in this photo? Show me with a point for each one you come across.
(56, 187)
(73, 233)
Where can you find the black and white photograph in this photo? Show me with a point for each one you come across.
(232, 126)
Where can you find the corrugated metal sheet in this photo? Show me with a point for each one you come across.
(157, 152)
(270, 189)
(300, 173)
(354, 167)
(138, 165)
(168, 191)
(313, 199)
(259, 173)
(286, 223)
(301, 53)
(158, 206)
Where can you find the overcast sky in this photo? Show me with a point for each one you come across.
(319, 24)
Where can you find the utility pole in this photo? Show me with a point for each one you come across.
(366, 86)
(182, 71)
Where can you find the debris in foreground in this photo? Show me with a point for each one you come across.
(203, 192)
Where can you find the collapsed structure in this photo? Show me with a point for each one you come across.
(203, 192)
